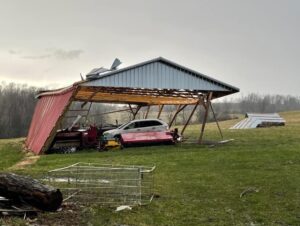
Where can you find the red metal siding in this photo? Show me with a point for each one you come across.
(47, 111)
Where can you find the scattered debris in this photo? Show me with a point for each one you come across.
(123, 207)
(212, 144)
(9, 208)
(249, 190)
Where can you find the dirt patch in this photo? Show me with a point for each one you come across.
(29, 159)
(69, 214)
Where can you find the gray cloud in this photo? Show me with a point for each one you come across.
(249, 44)
(56, 53)
(38, 57)
(67, 55)
(14, 52)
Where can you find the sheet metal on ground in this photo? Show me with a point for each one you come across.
(253, 120)
(49, 108)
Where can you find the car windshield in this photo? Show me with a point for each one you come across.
(138, 124)
(122, 126)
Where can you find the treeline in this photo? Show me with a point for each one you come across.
(17, 104)
(256, 103)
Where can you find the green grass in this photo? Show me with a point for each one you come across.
(198, 185)
(10, 152)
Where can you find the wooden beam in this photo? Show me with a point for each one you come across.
(88, 112)
(110, 112)
(143, 91)
(77, 110)
(179, 109)
(147, 112)
(87, 96)
(89, 99)
(206, 106)
(104, 113)
(160, 110)
(130, 108)
(137, 110)
(189, 119)
(74, 116)
(134, 113)
(216, 120)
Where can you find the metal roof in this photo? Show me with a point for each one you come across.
(254, 120)
(161, 73)
(48, 110)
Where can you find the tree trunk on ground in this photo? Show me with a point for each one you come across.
(22, 189)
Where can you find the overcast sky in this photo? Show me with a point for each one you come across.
(254, 44)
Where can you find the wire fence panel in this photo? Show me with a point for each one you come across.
(104, 184)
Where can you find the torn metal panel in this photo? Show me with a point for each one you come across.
(49, 108)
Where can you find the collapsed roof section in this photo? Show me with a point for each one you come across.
(154, 82)
(48, 111)
(254, 120)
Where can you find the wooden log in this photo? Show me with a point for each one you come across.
(23, 189)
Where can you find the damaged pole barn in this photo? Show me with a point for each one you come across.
(157, 82)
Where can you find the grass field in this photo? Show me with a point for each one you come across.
(196, 185)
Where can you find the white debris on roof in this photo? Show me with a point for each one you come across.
(254, 120)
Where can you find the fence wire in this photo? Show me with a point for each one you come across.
(110, 185)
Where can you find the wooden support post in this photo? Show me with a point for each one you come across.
(104, 113)
(137, 110)
(189, 119)
(134, 113)
(131, 109)
(216, 120)
(147, 112)
(174, 116)
(88, 112)
(206, 106)
(89, 99)
(179, 109)
(160, 110)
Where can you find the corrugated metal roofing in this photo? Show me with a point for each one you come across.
(160, 73)
(47, 112)
(254, 120)
(55, 91)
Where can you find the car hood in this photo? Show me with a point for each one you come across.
(111, 132)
